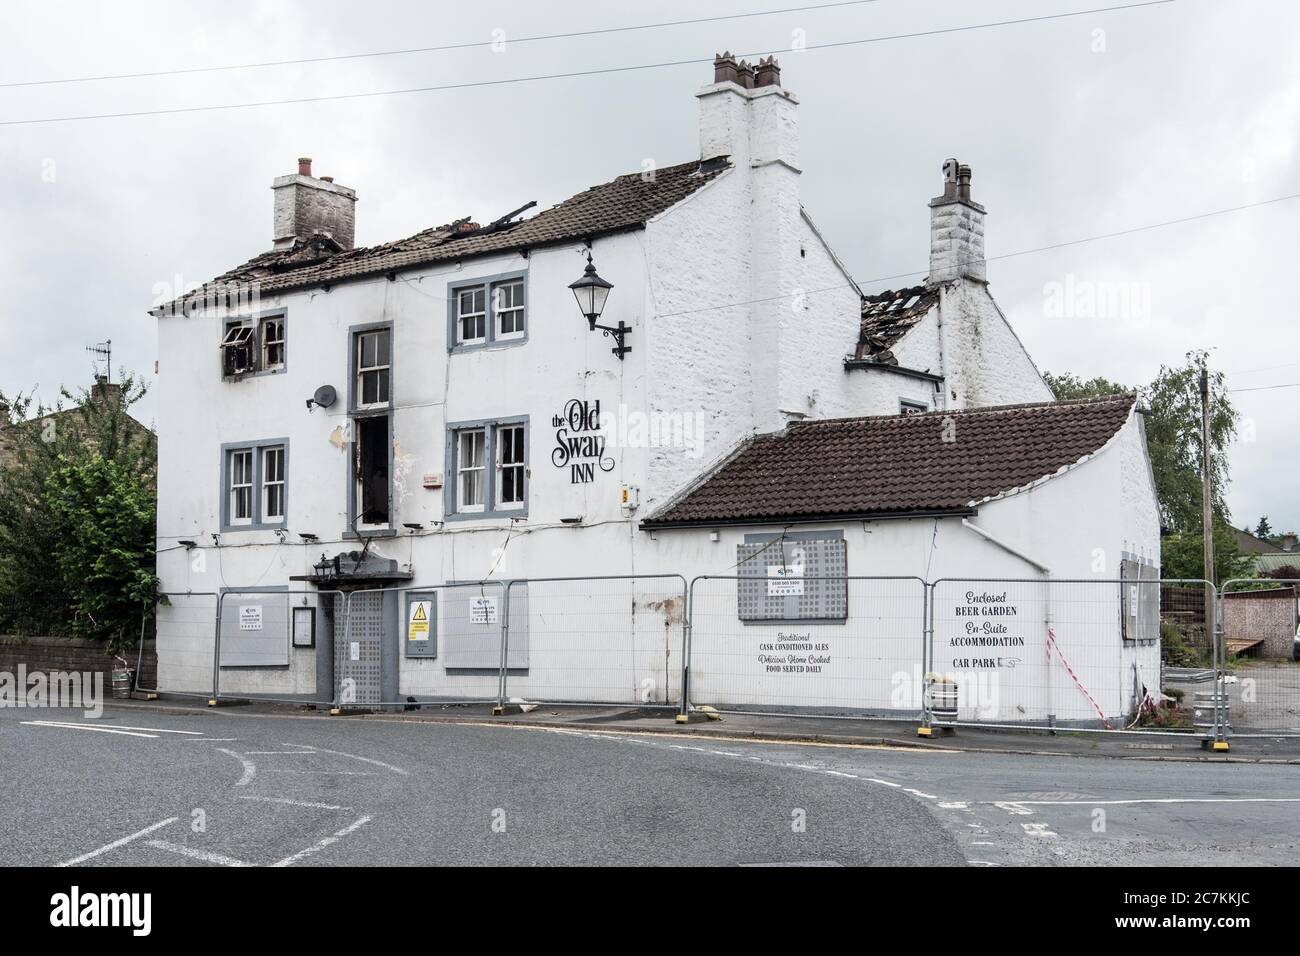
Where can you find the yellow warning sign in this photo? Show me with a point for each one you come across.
(417, 628)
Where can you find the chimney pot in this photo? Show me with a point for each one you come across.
(724, 68)
(956, 229)
(769, 73)
(745, 75)
(963, 182)
(304, 165)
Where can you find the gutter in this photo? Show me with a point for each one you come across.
(851, 365)
(651, 525)
(1006, 547)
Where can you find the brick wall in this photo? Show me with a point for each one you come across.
(47, 654)
(1263, 615)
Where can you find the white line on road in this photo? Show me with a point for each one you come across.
(297, 803)
(285, 753)
(98, 730)
(117, 843)
(194, 854)
(329, 773)
(322, 844)
(1113, 803)
(152, 730)
(250, 768)
(340, 753)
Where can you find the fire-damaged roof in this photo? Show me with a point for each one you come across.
(896, 465)
(620, 205)
(888, 316)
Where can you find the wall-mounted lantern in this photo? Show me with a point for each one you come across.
(591, 291)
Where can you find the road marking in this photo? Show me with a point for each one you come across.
(322, 844)
(297, 803)
(117, 843)
(1037, 829)
(286, 753)
(1113, 803)
(98, 730)
(340, 753)
(982, 843)
(204, 855)
(214, 740)
(954, 805)
(329, 773)
(1015, 809)
(250, 768)
(918, 793)
(152, 730)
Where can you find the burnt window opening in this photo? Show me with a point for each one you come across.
(273, 343)
(237, 350)
(371, 470)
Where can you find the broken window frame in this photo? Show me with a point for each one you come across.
(240, 338)
(273, 324)
(911, 406)
(365, 415)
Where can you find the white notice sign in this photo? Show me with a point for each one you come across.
(250, 617)
(784, 581)
(483, 610)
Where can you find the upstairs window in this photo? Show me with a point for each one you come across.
(471, 316)
(273, 484)
(237, 350)
(374, 365)
(273, 343)
(253, 346)
(254, 481)
(508, 307)
(489, 464)
(241, 486)
(907, 406)
(488, 311)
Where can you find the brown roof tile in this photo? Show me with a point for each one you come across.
(622, 204)
(897, 464)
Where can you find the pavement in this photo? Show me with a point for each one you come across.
(170, 783)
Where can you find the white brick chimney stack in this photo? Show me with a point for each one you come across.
(956, 229)
(306, 206)
(746, 114)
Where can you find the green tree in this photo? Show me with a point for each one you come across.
(1182, 556)
(1066, 386)
(1173, 428)
(104, 524)
(1263, 529)
(37, 592)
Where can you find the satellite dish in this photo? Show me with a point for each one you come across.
(325, 396)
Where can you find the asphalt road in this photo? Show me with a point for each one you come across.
(149, 787)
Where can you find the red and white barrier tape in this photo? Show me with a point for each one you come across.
(1051, 642)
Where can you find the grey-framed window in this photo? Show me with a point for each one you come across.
(793, 577)
(254, 485)
(373, 351)
(488, 311)
(909, 406)
(254, 345)
(273, 342)
(487, 462)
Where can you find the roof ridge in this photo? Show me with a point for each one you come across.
(1130, 396)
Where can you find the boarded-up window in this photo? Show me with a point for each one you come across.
(792, 577)
(1139, 600)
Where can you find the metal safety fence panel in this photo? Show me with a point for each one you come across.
(183, 624)
(1083, 654)
(1260, 622)
(421, 646)
(266, 642)
(596, 640)
(807, 645)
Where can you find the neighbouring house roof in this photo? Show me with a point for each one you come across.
(1250, 544)
(896, 465)
(1268, 563)
(620, 205)
(888, 316)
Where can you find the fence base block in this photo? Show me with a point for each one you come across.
(924, 731)
(1218, 746)
(226, 702)
(698, 713)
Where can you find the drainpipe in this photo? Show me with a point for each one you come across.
(1047, 612)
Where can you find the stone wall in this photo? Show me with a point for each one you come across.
(1269, 616)
(49, 654)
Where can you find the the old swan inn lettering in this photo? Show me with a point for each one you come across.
(579, 446)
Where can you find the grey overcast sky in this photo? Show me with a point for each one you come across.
(1074, 127)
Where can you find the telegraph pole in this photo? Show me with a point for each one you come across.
(1207, 507)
